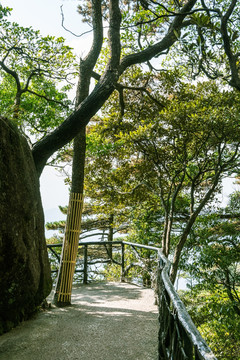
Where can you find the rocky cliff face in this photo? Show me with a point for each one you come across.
(25, 278)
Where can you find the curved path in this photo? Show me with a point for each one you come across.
(109, 321)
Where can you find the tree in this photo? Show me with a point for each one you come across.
(211, 47)
(215, 248)
(86, 68)
(212, 261)
(160, 42)
(31, 66)
(111, 74)
(179, 153)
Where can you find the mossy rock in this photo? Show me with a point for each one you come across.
(25, 277)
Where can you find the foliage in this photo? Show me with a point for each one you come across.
(138, 33)
(210, 45)
(37, 113)
(31, 69)
(25, 50)
(213, 259)
(213, 314)
(146, 225)
(234, 203)
(167, 152)
(4, 11)
(139, 266)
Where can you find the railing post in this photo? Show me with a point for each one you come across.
(110, 235)
(122, 262)
(85, 264)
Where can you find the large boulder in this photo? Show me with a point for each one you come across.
(25, 277)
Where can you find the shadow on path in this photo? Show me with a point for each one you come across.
(105, 322)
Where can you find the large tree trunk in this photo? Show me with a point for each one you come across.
(25, 277)
(63, 290)
(87, 106)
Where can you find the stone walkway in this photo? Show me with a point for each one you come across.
(109, 321)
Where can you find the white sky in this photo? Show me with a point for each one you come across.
(45, 15)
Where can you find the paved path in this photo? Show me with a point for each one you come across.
(109, 321)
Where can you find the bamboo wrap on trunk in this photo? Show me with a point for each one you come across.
(70, 246)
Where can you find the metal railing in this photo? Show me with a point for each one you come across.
(178, 337)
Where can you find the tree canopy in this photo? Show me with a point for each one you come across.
(171, 155)
(151, 29)
(31, 69)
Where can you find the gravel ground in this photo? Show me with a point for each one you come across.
(109, 321)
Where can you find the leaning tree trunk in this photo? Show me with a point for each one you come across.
(63, 290)
(62, 295)
(90, 104)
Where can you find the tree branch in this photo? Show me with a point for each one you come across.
(235, 81)
(47, 98)
(170, 38)
(12, 73)
(120, 87)
(106, 85)
(84, 33)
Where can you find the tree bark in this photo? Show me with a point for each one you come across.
(62, 295)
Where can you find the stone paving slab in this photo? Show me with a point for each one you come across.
(109, 321)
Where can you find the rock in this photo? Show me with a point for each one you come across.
(25, 277)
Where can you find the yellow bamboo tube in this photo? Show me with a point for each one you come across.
(70, 246)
